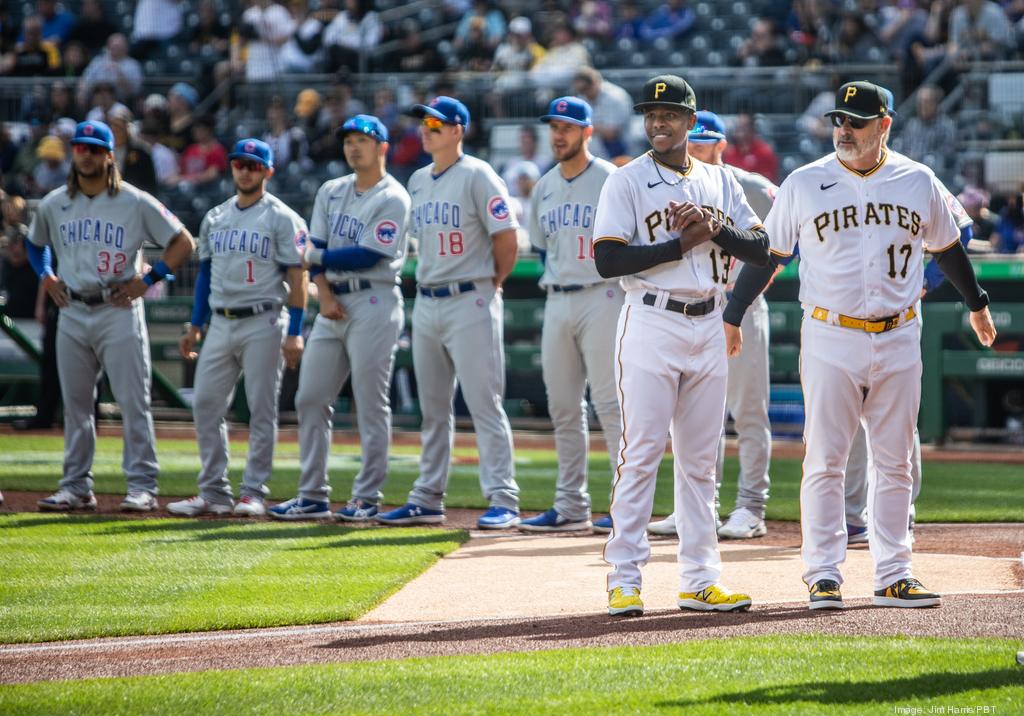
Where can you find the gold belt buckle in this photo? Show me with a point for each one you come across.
(227, 313)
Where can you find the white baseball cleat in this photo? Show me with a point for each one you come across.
(249, 506)
(743, 524)
(666, 527)
(139, 501)
(65, 501)
(195, 506)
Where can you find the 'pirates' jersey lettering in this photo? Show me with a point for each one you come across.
(848, 217)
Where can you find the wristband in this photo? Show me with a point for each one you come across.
(314, 256)
(159, 272)
(295, 315)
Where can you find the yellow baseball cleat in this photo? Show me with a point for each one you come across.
(714, 599)
(625, 602)
(906, 593)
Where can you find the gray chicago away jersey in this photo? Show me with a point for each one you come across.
(376, 220)
(249, 251)
(454, 215)
(759, 190)
(98, 241)
(561, 223)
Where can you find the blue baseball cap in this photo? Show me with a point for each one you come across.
(709, 128)
(255, 149)
(364, 124)
(93, 132)
(186, 91)
(889, 100)
(447, 109)
(569, 109)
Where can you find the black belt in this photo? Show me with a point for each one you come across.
(89, 299)
(351, 286)
(446, 291)
(687, 309)
(247, 311)
(568, 289)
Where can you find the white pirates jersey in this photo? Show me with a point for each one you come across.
(562, 216)
(98, 241)
(376, 219)
(250, 250)
(454, 215)
(861, 236)
(634, 207)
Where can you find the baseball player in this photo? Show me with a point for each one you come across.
(862, 216)
(357, 251)
(466, 237)
(749, 385)
(670, 226)
(247, 245)
(96, 227)
(577, 339)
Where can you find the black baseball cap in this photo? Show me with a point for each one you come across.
(864, 100)
(667, 90)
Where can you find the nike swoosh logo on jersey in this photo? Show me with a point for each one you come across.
(823, 187)
(651, 186)
(65, 208)
(545, 197)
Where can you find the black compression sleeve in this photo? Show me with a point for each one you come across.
(750, 247)
(749, 285)
(958, 269)
(613, 258)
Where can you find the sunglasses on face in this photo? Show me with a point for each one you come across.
(246, 164)
(854, 122)
(89, 149)
(433, 123)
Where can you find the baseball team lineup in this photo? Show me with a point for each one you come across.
(654, 274)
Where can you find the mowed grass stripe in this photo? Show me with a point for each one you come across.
(767, 675)
(952, 492)
(77, 577)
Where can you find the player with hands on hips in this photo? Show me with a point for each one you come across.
(862, 217)
(357, 248)
(578, 337)
(466, 234)
(252, 281)
(96, 227)
(670, 227)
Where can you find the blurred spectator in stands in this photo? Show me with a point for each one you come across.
(132, 155)
(527, 155)
(8, 31)
(612, 111)
(57, 22)
(103, 100)
(354, 31)
(629, 22)
(266, 27)
(592, 18)
(764, 47)
(52, 169)
(1011, 225)
(33, 56)
(324, 146)
(980, 31)
(513, 59)
(64, 129)
(157, 22)
(25, 160)
(523, 178)
(205, 160)
(385, 108)
(92, 28)
(62, 101)
(412, 54)
(181, 101)
(671, 20)
(209, 35)
(18, 282)
(975, 203)
(854, 42)
(809, 26)
(474, 53)
(928, 136)
(485, 17)
(8, 150)
(813, 123)
(304, 51)
(564, 57)
(308, 105)
(116, 67)
(748, 151)
(928, 49)
(75, 60)
(288, 142)
(899, 23)
(165, 161)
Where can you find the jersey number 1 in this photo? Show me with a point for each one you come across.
(249, 277)
(583, 254)
(906, 250)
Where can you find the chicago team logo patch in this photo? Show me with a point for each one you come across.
(250, 147)
(955, 206)
(386, 232)
(164, 211)
(300, 240)
(498, 208)
(562, 106)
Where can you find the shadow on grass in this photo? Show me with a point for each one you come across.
(902, 691)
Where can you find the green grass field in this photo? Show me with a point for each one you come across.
(768, 675)
(952, 492)
(73, 577)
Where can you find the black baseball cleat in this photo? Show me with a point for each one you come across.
(825, 595)
(908, 593)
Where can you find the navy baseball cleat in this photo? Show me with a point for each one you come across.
(856, 535)
(551, 521)
(498, 518)
(299, 508)
(357, 511)
(603, 525)
(410, 514)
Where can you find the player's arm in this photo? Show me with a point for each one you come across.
(613, 257)
(40, 257)
(933, 276)
(505, 247)
(178, 250)
(200, 312)
(298, 294)
(330, 308)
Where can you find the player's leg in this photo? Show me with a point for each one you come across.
(262, 363)
(216, 377)
(857, 489)
(372, 341)
(696, 432)
(323, 372)
(478, 353)
(435, 387)
(79, 369)
(565, 385)
(834, 364)
(648, 363)
(124, 353)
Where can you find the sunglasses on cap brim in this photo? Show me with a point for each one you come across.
(855, 122)
(434, 124)
(247, 164)
(88, 149)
